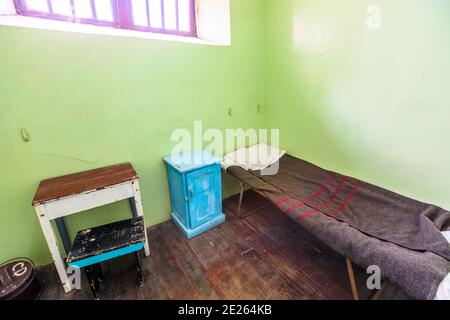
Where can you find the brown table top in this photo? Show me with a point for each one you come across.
(77, 183)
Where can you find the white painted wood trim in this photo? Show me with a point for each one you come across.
(53, 246)
(213, 18)
(85, 201)
(54, 25)
(140, 211)
(7, 7)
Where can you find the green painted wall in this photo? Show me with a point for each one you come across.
(371, 104)
(89, 101)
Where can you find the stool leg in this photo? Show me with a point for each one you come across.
(93, 282)
(139, 270)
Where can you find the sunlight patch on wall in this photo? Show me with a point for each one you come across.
(311, 32)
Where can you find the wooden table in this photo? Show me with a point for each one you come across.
(66, 195)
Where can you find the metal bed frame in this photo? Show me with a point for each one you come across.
(351, 275)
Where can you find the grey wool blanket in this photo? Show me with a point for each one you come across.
(363, 222)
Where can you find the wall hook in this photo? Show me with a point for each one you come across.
(25, 135)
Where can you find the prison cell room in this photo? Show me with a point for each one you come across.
(224, 150)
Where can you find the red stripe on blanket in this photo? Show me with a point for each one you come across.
(347, 200)
(325, 203)
(295, 206)
(280, 202)
(317, 194)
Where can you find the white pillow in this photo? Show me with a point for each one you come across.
(235, 158)
(262, 156)
(257, 157)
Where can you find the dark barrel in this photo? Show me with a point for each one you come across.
(18, 280)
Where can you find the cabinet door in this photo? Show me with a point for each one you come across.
(205, 194)
(178, 195)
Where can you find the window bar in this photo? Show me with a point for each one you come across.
(93, 10)
(192, 19)
(50, 7)
(148, 13)
(17, 6)
(177, 10)
(163, 21)
(72, 6)
(115, 9)
(122, 13)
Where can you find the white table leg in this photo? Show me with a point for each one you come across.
(140, 211)
(53, 246)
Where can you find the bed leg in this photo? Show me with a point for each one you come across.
(351, 276)
(241, 196)
(376, 295)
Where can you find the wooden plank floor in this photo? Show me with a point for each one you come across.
(263, 256)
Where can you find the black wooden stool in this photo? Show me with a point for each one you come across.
(93, 246)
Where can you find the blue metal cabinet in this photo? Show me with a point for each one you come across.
(195, 191)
